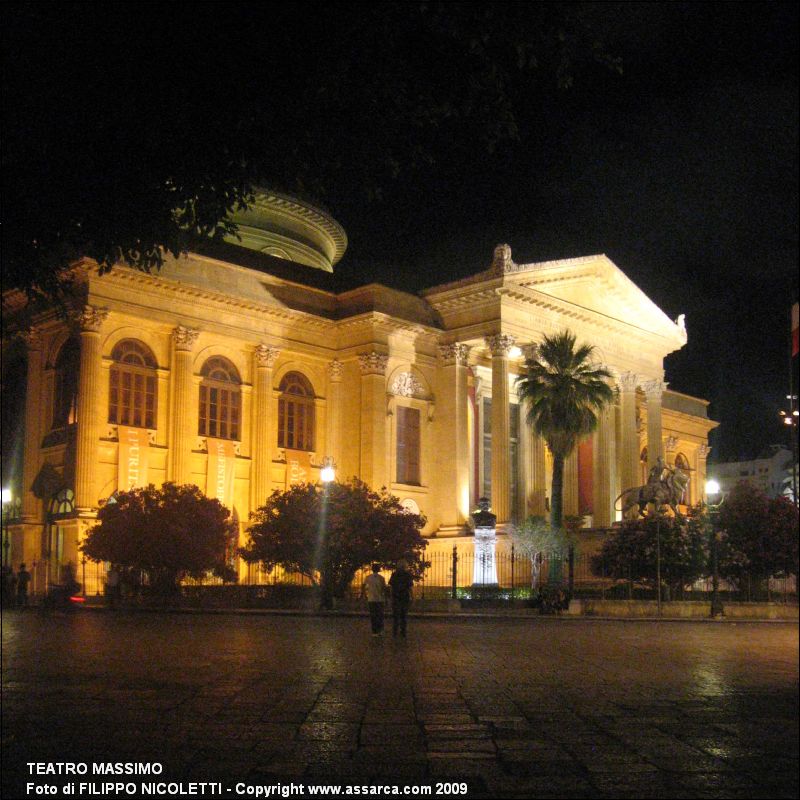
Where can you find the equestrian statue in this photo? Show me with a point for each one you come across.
(665, 487)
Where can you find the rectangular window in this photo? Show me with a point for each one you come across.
(408, 445)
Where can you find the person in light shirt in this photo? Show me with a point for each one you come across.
(375, 590)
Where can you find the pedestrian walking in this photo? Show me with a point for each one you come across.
(23, 579)
(400, 583)
(375, 591)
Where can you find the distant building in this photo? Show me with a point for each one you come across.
(240, 370)
(771, 472)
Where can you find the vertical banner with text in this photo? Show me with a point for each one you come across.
(221, 471)
(298, 467)
(133, 452)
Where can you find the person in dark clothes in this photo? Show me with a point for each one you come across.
(400, 584)
(23, 579)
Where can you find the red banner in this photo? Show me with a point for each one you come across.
(133, 453)
(221, 471)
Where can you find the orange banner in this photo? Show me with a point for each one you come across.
(221, 471)
(133, 452)
(298, 467)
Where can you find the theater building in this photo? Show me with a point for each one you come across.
(237, 370)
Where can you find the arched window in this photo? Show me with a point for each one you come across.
(296, 413)
(132, 391)
(220, 400)
(62, 504)
(682, 463)
(65, 395)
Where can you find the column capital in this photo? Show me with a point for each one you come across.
(335, 370)
(455, 353)
(703, 450)
(627, 381)
(184, 338)
(91, 319)
(32, 338)
(500, 343)
(373, 363)
(654, 389)
(266, 356)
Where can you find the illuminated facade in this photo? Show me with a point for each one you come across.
(241, 380)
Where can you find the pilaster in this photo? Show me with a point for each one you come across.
(629, 456)
(654, 391)
(31, 505)
(499, 347)
(604, 467)
(264, 358)
(88, 412)
(183, 340)
(334, 410)
(373, 419)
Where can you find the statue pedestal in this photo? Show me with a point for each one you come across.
(484, 571)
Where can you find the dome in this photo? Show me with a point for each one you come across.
(285, 227)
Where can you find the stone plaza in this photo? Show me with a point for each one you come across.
(532, 707)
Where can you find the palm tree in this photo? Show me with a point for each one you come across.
(565, 391)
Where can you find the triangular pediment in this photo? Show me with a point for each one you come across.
(594, 284)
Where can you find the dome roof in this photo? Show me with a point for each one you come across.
(289, 228)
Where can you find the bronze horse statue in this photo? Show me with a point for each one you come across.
(658, 490)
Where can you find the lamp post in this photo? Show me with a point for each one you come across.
(714, 499)
(790, 420)
(327, 475)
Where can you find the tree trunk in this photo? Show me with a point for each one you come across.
(557, 499)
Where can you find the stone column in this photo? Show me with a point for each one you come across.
(629, 439)
(655, 448)
(373, 419)
(264, 358)
(453, 439)
(533, 466)
(571, 493)
(33, 426)
(183, 425)
(334, 411)
(701, 472)
(499, 346)
(89, 413)
(603, 467)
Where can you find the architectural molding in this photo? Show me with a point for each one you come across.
(628, 381)
(32, 339)
(407, 385)
(654, 389)
(335, 370)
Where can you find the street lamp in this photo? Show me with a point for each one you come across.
(714, 500)
(790, 419)
(327, 473)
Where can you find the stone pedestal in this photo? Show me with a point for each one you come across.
(484, 571)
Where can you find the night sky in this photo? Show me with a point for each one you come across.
(683, 169)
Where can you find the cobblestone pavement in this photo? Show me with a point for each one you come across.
(517, 708)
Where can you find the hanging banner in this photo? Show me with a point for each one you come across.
(133, 452)
(298, 467)
(221, 471)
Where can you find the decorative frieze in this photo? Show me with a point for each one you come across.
(500, 344)
(373, 363)
(266, 356)
(91, 318)
(406, 385)
(454, 353)
(184, 338)
(335, 369)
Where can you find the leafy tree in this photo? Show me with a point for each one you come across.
(329, 532)
(537, 540)
(630, 552)
(564, 392)
(123, 157)
(759, 535)
(170, 533)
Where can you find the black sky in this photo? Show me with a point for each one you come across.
(683, 169)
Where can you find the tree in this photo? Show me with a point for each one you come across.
(124, 157)
(537, 540)
(564, 392)
(170, 533)
(629, 553)
(328, 533)
(759, 535)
